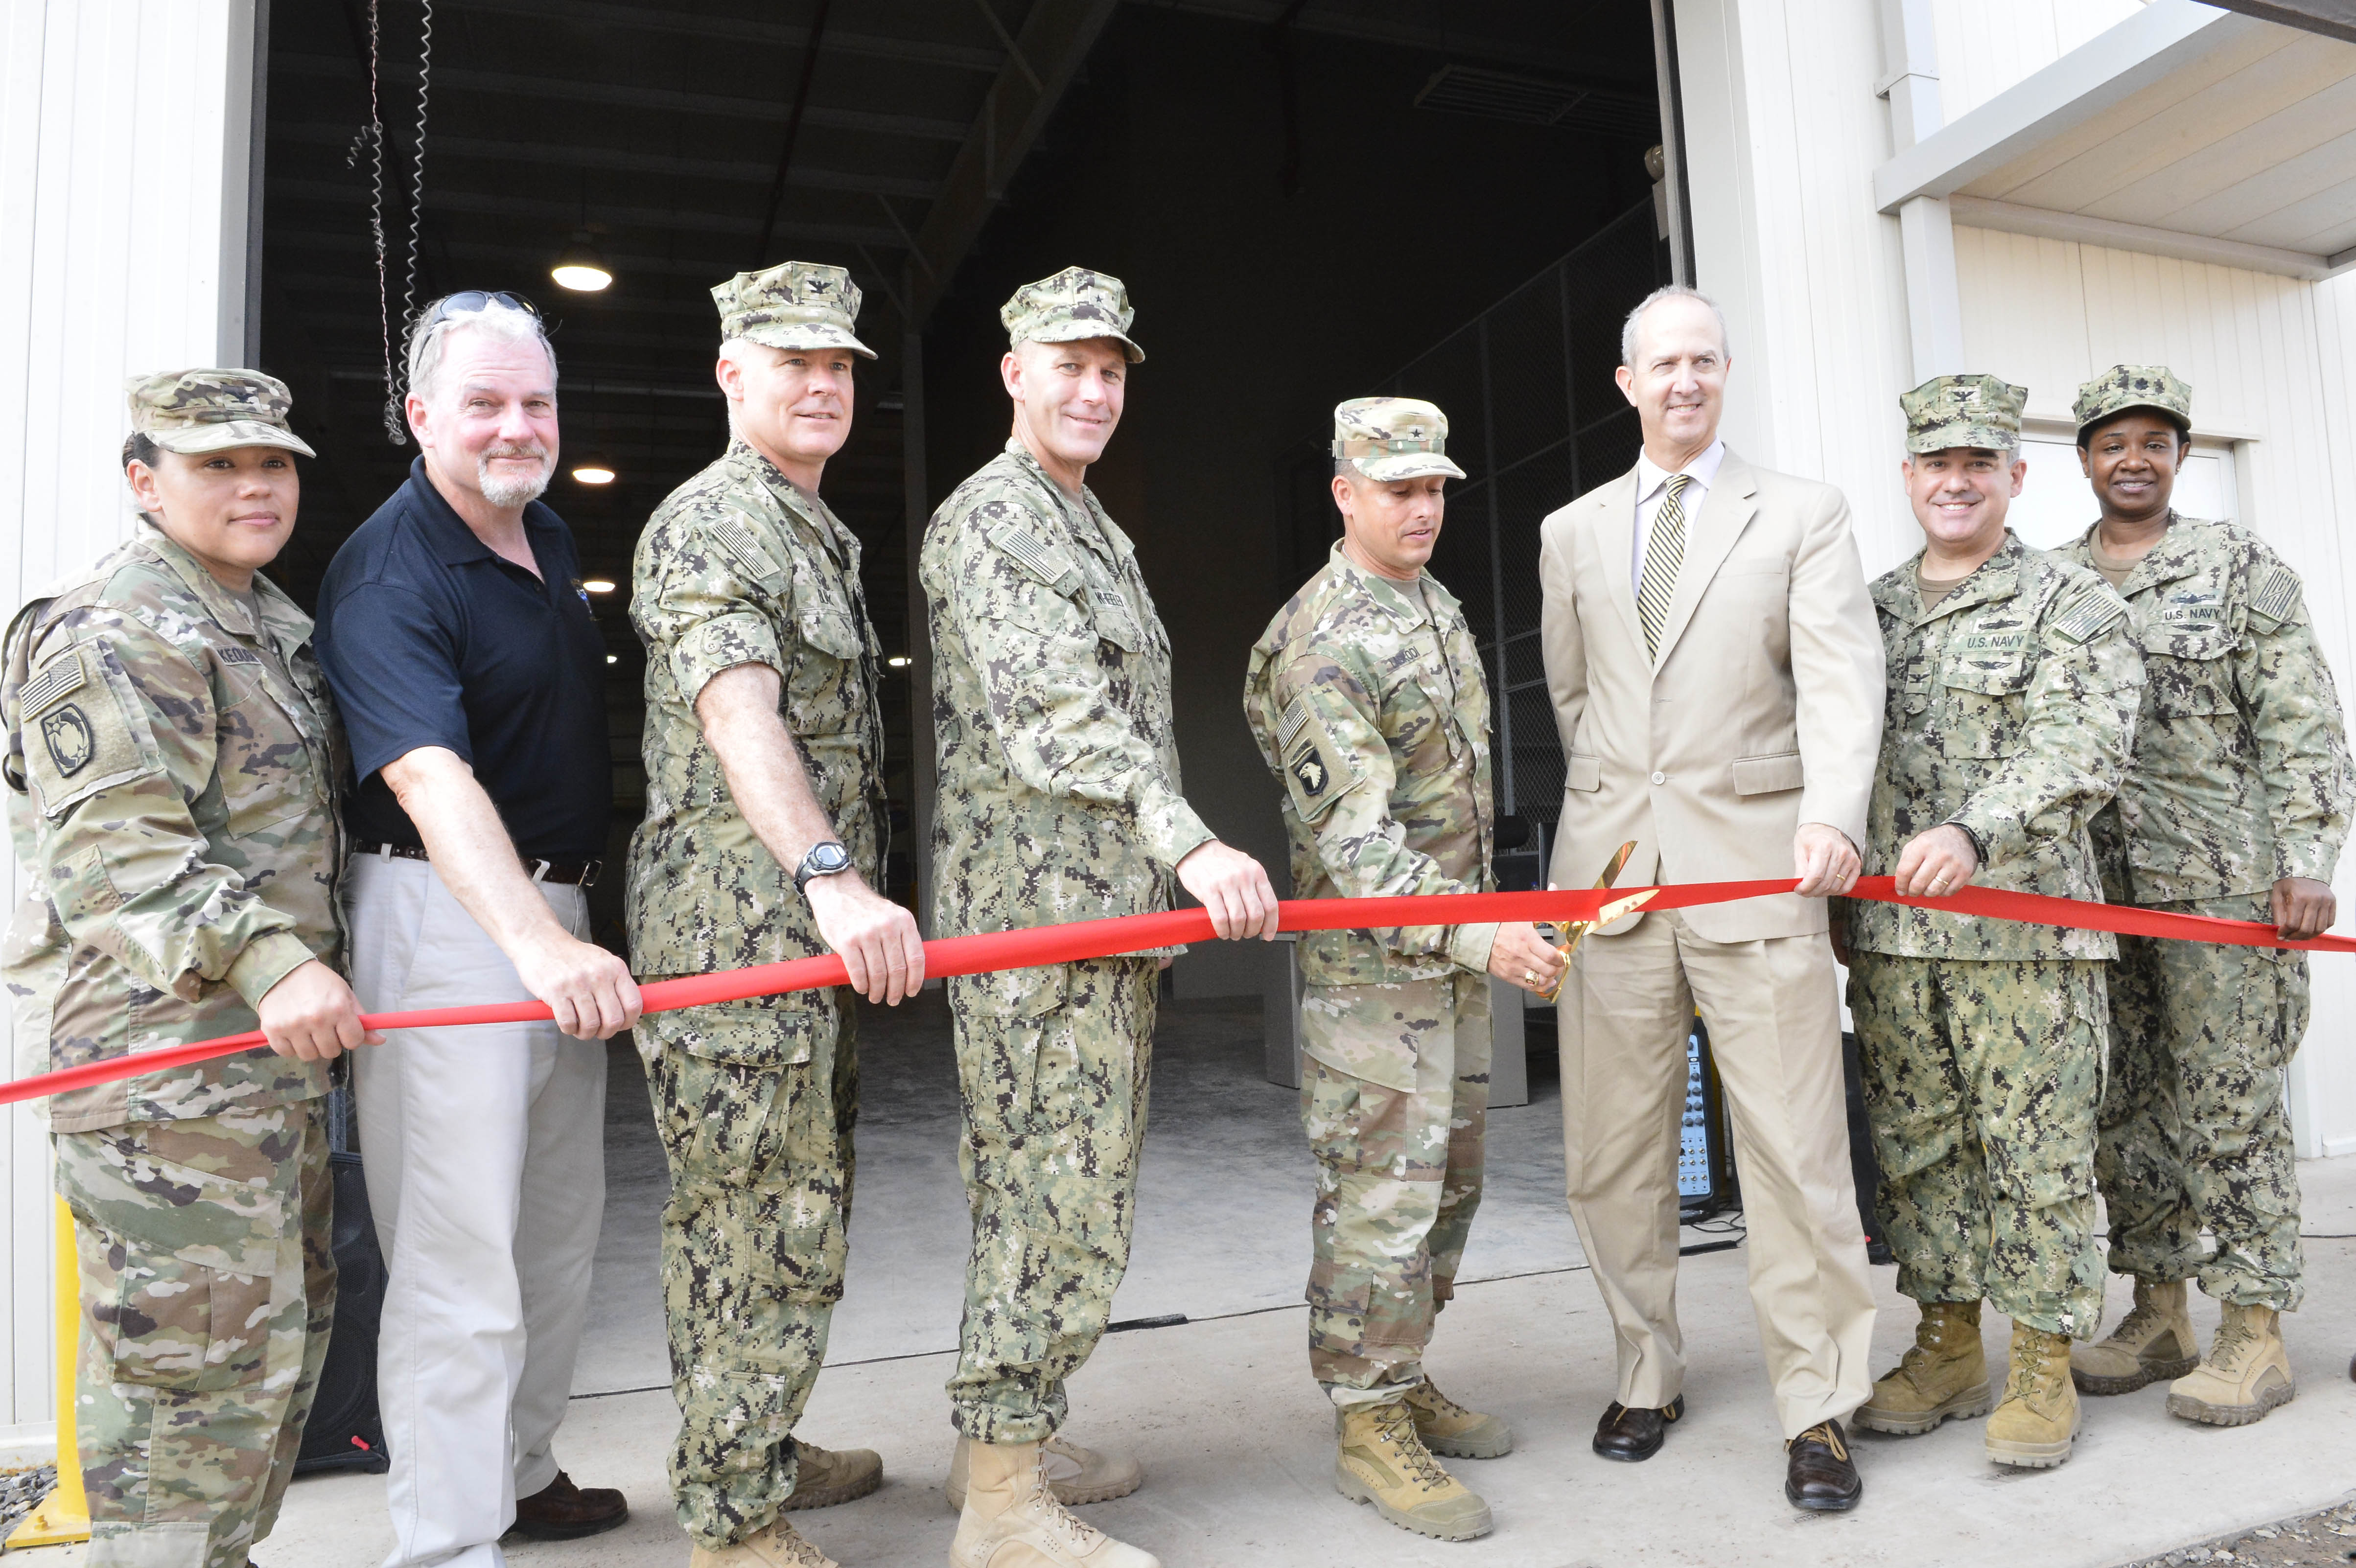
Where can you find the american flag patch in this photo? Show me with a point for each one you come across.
(61, 678)
(2094, 613)
(1295, 714)
(1047, 564)
(2276, 595)
(738, 541)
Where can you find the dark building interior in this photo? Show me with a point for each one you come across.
(1309, 199)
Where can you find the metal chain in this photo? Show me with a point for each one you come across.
(376, 226)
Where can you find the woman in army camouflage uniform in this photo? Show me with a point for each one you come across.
(172, 756)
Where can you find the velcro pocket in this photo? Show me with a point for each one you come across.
(2188, 672)
(760, 1031)
(1582, 772)
(1034, 993)
(91, 734)
(1765, 775)
(832, 631)
(1984, 709)
(191, 1257)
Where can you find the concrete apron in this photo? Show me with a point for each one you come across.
(1239, 1455)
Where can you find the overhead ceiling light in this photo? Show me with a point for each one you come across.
(613, 659)
(898, 661)
(593, 470)
(580, 267)
(598, 585)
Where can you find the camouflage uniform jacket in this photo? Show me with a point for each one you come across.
(1367, 699)
(738, 567)
(2011, 711)
(1059, 792)
(2241, 772)
(174, 813)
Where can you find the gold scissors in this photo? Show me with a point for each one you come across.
(1572, 933)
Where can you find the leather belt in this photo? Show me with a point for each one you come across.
(564, 873)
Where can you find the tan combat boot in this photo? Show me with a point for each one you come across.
(776, 1547)
(1076, 1475)
(2153, 1341)
(2035, 1425)
(2245, 1374)
(1944, 1377)
(1447, 1427)
(823, 1478)
(1011, 1520)
(1383, 1462)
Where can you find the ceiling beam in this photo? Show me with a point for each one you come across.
(565, 90)
(2332, 18)
(777, 35)
(2044, 223)
(565, 215)
(1055, 37)
(1458, 42)
(580, 155)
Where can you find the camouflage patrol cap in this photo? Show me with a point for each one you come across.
(197, 411)
(2125, 387)
(1073, 305)
(1393, 438)
(794, 304)
(1963, 410)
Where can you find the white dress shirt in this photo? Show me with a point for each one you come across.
(1652, 486)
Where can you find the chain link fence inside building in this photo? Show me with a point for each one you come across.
(1534, 418)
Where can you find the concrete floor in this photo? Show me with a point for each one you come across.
(1237, 1440)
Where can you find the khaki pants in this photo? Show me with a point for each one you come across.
(1774, 1030)
(485, 1150)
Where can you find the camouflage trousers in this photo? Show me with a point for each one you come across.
(2195, 1128)
(1053, 1066)
(1981, 1081)
(1398, 1169)
(208, 1290)
(754, 1240)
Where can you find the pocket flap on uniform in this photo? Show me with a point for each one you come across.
(1991, 676)
(1035, 993)
(1581, 772)
(1765, 775)
(761, 1031)
(832, 631)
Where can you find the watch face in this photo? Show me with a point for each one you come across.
(828, 859)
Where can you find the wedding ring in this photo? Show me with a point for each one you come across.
(1939, 886)
(1530, 978)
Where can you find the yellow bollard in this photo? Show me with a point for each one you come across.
(64, 1514)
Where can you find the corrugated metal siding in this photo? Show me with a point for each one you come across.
(120, 243)
(1987, 46)
(2270, 360)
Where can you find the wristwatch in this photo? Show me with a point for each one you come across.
(827, 859)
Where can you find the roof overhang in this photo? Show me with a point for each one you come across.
(2184, 131)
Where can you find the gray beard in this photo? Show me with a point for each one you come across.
(505, 493)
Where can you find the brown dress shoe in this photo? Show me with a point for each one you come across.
(1820, 1476)
(1634, 1434)
(562, 1511)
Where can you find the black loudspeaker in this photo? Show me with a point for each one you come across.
(345, 1432)
(1863, 1167)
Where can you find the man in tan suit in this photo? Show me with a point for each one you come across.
(1716, 676)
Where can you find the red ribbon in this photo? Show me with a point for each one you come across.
(1139, 933)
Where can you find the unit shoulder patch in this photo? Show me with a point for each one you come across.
(2094, 613)
(1317, 772)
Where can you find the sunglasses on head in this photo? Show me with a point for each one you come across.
(471, 298)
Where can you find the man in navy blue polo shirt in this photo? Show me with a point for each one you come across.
(470, 674)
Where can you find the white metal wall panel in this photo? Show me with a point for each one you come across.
(124, 156)
(2269, 359)
(1782, 134)
(1987, 46)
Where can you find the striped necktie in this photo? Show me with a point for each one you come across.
(1665, 551)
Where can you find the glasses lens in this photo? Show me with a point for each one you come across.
(472, 300)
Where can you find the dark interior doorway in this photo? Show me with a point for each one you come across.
(1303, 196)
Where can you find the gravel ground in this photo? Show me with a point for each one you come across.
(21, 1491)
(2316, 1538)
